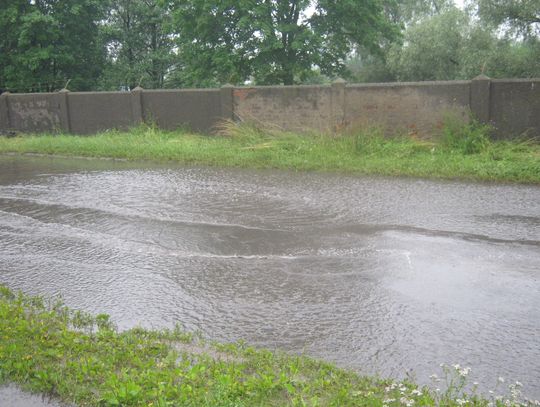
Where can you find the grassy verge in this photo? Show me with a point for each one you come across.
(462, 152)
(49, 348)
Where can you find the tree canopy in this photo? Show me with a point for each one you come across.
(44, 43)
(119, 44)
(275, 41)
(140, 44)
(519, 16)
(452, 44)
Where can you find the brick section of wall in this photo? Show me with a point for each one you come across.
(295, 108)
(198, 110)
(415, 108)
(515, 108)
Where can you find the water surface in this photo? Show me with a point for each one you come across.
(13, 396)
(388, 276)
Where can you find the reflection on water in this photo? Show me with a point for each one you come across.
(387, 276)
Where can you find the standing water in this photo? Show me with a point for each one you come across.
(388, 276)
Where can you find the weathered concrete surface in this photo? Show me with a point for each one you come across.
(515, 108)
(4, 113)
(411, 108)
(479, 97)
(34, 112)
(295, 108)
(197, 110)
(91, 112)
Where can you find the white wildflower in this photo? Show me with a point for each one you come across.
(501, 379)
(464, 372)
(416, 392)
(406, 402)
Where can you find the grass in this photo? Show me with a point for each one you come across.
(46, 347)
(461, 152)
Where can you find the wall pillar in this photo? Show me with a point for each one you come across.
(480, 98)
(5, 123)
(338, 105)
(227, 102)
(63, 104)
(137, 105)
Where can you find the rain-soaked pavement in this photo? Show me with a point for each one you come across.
(12, 396)
(388, 276)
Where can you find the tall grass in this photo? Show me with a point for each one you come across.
(466, 138)
(462, 151)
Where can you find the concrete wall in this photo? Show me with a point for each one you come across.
(198, 110)
(98, 111)
(514, 107)
(31, 113)
(411, 108)
(511, 106)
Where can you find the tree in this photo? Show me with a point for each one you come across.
(499, 57)
(139, 43)
(454, 46)
(366, 66)
(274, 41)
(45, 43)
(520, 16)
(431, 48)
(408, 12)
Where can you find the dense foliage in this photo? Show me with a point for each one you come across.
(119, 44)
(44, 43)
(276, 41)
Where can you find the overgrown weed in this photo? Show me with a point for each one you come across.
(466, 138)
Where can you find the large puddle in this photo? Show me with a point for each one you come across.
(388, 276)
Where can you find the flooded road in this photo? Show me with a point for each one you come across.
(388, 276)
(13, 396)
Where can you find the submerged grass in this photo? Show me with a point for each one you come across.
(46, 347)
(461, 152)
